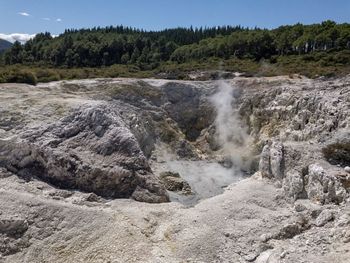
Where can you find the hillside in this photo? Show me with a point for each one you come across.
(4, 45)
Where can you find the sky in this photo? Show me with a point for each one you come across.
(21, 19)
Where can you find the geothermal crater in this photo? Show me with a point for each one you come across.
(256, 169)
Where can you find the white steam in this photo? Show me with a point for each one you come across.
(208, 178)
(230, 133)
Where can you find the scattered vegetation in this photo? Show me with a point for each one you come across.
(311, 50)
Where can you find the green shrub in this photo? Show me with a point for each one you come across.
(22, 76)
(47, 75)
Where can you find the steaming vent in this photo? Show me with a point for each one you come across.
(226, 165)
(230, 133)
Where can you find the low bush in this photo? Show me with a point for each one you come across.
(20, 76)
(47, 75)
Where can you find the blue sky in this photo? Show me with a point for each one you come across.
(33, 16)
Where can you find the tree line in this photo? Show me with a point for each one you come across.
(107, 46)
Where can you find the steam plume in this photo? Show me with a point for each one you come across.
(231, 135)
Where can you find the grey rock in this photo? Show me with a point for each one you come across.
(299, 207)
(144, 195)
(343, 220)
(272, 161)
(264, 257)
(346, 238)
(324, 218)
(266, 237)
(185, 150)
(313, 126)
(251, 257)
(264, 163)
(295, 226)
(322, 187)
(91, 150)
(293, 184)
(276, 160)
(187, 108)
(173, 182)
(283, 254)
(289, 231)
(13, 226)
(61, 193)
(337, 150)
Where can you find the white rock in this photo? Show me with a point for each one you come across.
(276, 160)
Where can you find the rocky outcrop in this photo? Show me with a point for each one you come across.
(300, 110)
(302, 130)
(188, 107)
(324, 217)
(312, 182)
(90, 150)
(11, 235)
(323, 187)
(174, 182)
(271, 163)
(293, 185)
(337, 149)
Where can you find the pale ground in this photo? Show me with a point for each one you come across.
(225, 228)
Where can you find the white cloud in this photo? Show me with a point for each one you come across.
(58, 20)
(23, 14)
(46, 19)
(17, 37)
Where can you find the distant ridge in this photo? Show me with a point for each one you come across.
(4, 44)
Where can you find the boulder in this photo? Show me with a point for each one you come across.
(271, 164)
(264, 163)
(337, 150)
(324, 218)
(343, 220)
(322, 187)
(13, 226)
(90, 150)
(173, 182)
(293, 184)
(276, 160)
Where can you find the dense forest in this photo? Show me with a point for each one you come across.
(149, 50)
(107, 46)
(123, 45)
